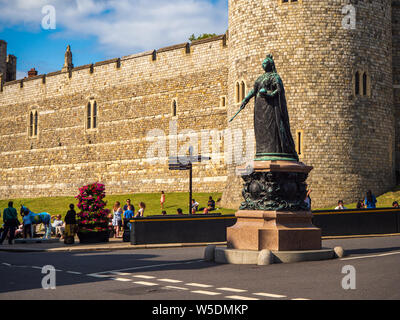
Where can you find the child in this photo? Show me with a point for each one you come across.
(128, 215)
(70, 225)
(162, 200)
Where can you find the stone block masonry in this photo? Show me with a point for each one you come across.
(134, 95)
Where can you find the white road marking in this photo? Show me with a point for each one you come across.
(232, 290)
(241, 298)
(199, 285)
(170, 280)
(269, 295)
(121, 273)
(300, 299)
(34, 267)
(177, 288)
(144, 283)
(208, 293)
(122, 279)
(74, 272)
(143, 277)
(151, 266)
(96, 275)
(7, 264)
(371, 256)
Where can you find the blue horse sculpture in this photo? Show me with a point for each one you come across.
(37, 218)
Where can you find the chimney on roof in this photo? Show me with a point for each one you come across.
(32, 73)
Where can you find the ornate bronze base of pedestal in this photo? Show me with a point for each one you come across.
(274, 230)
(274, 215)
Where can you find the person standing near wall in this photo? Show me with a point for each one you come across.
(162, 200)
(10, 218)
(370, 200)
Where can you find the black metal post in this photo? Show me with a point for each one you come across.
(190, 187)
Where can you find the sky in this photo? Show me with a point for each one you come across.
(38, 31)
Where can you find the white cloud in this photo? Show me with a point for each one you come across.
(21, 74)
(122, 26)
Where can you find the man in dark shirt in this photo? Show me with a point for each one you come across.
(128, 203)
(70, 225)
(10, 218)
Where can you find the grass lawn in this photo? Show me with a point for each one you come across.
(59, 205)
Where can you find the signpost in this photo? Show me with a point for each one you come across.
(186, 163)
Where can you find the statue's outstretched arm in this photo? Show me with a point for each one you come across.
(244, 103)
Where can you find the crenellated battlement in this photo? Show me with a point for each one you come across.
(164, 62)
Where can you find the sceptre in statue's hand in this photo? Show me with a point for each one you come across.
(244, 103)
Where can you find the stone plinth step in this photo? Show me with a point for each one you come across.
(234, 256)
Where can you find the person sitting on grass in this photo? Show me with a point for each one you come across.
(195, 206)
(395, 205)
(164, 213)
(211, 204)
(340, 206)
(179, 211)
(57, 226)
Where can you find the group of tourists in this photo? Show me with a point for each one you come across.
(12, 227)
(369, 202)
(119, 219)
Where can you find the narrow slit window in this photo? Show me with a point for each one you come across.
(36, 124)
(95, 115)
(237, 92)
(243, 91)
(31, 124)
(357, 83)
(89, 116)
(365, 84)
(174, 108)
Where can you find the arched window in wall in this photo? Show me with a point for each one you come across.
(240, 91)
(362, 83)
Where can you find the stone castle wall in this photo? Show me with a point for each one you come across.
(348, 139)
(134, 95)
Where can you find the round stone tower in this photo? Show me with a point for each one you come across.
(335, 61)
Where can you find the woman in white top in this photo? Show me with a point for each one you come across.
(142, 207)
(117, 219)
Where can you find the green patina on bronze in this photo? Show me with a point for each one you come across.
(274, 140)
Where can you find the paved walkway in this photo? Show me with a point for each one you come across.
(114, 244)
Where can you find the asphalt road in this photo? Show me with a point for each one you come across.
(181, 274)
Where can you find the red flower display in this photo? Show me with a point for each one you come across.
(93, 216)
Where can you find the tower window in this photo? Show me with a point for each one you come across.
(222, 102)
(91, 115)
(357, 83)
(174, 108)
(33, 124)
(240, 91)
(237, 92)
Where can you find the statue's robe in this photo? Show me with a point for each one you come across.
(271, 118)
